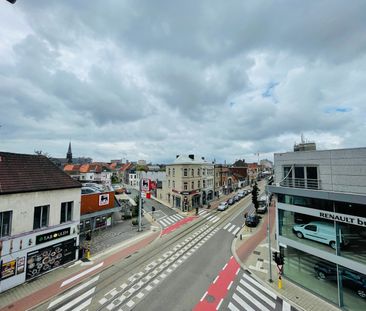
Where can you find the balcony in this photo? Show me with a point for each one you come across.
(305, 183)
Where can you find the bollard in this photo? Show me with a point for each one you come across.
(241, 236)
(279, 282)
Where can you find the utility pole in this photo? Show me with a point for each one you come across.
(140, 204)
(269, 238)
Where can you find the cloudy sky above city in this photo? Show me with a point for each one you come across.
(152, 79)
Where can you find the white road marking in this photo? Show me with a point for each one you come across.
(76, 300)
(259, 294)
(231, 228)
(232, 307)
(83, 305)
(236, 231)
(215, 279)
(286, 306)
(227, 225)
(231, 283)
(242, 303)
(216, 219)
(78, 276)
(203, 297)
(73, 291)
(251, 299)
(265, 289)
(218, 306)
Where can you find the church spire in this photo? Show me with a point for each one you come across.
(69, 154)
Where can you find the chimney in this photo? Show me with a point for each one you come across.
(191, 156)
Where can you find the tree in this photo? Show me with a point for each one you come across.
(255, 196)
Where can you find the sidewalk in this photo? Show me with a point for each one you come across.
(108, 246)
(252, 254)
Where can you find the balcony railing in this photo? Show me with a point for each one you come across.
(308, 183)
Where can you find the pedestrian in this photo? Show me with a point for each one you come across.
(245, 215)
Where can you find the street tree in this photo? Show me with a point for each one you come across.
(255, 196)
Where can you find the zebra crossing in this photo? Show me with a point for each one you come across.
(78, 302)
(205, 214)
(249, 295)
(232, 228)
(169, 220)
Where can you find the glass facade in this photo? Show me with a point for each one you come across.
(340, 285)
(324, 278)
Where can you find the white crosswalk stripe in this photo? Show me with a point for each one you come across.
(250, 295)
(170, 220)
(74, 291)
(232, 228)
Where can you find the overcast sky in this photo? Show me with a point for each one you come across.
(152, 79)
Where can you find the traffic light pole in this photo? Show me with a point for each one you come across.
(140, 204)
(269, 240)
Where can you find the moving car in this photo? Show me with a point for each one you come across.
(350, 279)
(223, 206)
(319, 231)
(252, 221)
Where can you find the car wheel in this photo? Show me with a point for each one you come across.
(321, 275)
(361, 292)
(332, 244)
(299, 234)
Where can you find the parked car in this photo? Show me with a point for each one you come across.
(353, 280)
(237, 198)
(319, 231)
(252, 221)
(128, 191)
(262, 209)
(89, 190)
(223, 206)
(241, 194)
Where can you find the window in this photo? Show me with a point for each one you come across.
(169, 183)
(173, 184)
(185, 172)
(192, 185)
(204, 183)
(185, 185)
(199, 184)
(169, 172)
(310, 228)
(192, 172)
(199, 172)
(5, 223)
(40, 216)
(173, 172)
(66, 211)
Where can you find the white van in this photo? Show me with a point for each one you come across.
(319, 231)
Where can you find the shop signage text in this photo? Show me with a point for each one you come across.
(354, 220)
(43, 238)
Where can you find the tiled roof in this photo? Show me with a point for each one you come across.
(29, 173)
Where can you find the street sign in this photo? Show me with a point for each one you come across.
(145, 185)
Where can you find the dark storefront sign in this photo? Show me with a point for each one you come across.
(49, 258)
(43, 238)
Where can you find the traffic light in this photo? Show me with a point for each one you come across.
(278, 258)
(275, 256)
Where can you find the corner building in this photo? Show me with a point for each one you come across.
(189, 182)
(321, 222)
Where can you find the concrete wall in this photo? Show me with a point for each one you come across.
(342, 170)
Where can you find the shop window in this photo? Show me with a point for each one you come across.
(5, 223)
(40, 219)
(66, 211)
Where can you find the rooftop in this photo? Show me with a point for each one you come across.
(30, 173)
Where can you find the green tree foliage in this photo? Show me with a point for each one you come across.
(255, 196)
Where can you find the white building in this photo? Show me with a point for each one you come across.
(321, 222)
(39, 217)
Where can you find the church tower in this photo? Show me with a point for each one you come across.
(69, 154)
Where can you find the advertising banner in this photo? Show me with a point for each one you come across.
(8, 269)
(49, 258)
